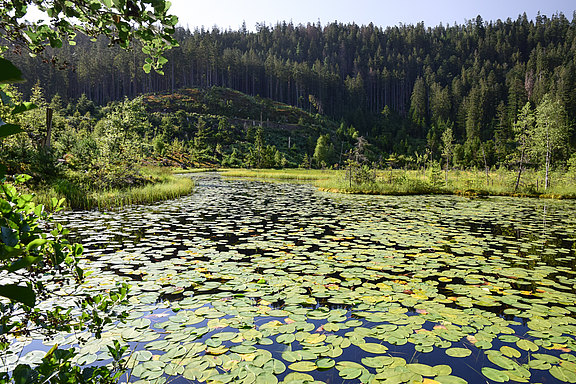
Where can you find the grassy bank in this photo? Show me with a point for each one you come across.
(283, 174)
(163, 186)
(416, 182)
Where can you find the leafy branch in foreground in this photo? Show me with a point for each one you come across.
(36, 262)
(121, 21)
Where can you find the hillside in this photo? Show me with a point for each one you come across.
(231, 121)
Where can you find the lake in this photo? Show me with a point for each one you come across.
(253, 282)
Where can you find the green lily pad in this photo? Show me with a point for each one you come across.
(325, 363)
(373, 347)
(563, 374)
(495, 375)
(458, 352)
(303, 366)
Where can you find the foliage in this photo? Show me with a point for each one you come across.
(324, 151)
(35, 257)
(359, 171)
(550, 134)
(28, 254)
(146, 21)
(397, 86)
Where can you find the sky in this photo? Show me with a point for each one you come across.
(229, 14)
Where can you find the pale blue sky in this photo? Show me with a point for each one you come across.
(230, 13)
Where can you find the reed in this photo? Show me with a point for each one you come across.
(167, 187)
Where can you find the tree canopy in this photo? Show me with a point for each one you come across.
(120, 21)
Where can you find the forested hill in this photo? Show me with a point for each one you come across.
(400, 86)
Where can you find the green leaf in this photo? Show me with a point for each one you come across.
(24, 295)
(527, 345)
(9, 236)
(458, 352)
(449, 379)
(9, 129)
(373, 347)
(495, 375)
(325, 363)
(563, 374)
(502, 361)
(36, 244)
(23, 374)
(23, 107)
(9, 73)
(350, 373)
(22, 263)
(510, 352)
(303, 366)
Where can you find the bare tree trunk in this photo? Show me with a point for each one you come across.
(520, 168)
(446, 171)
(48, 140)
(546, 179)
(548, 154)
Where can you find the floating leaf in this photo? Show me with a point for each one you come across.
(373, 347)
(563, 374)
(510, 352)
(495, 375)
(527, 345)
(458, 352)
(325, 363)
(303, 366)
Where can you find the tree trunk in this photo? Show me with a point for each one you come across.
(520, 167)
(546, 179)
(446, 172)
(548, 154)
(48, 140)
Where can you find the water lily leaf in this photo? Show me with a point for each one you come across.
(266, 378)
(527, 345)
(421, 369)
(502, 361)
(291, 356)
(548, 358)
(286, 338)
(495, 375)
(274, 366)
(243, 349)
(315, 338)
(442, 370)
(509, 351)
(563, 374)
(303, 366)
(539, 364)
(325, 363)
(378, 361)
(449, 379)
(298, 377)
(373, 347)
(458, 352)
(350, 373)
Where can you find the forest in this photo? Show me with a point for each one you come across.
(399, 86)
(490, 95)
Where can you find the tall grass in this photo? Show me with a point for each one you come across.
(410, 182)
(282, 174)
(166, 186)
